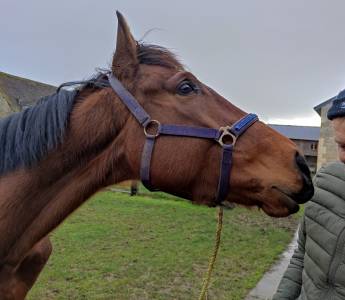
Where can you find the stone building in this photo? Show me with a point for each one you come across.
(327, 151)
(306, 138)
(17, 93)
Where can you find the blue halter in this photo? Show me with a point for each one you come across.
(153, 129)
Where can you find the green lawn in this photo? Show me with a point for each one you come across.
(121, 247)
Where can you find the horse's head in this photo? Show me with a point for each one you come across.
(268, 170)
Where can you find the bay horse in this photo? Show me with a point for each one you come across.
(57, 154)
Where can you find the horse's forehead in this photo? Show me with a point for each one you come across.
(154, 76)
(152, 71)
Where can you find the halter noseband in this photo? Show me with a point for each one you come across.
(219, 135)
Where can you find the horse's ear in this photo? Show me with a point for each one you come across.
(125, 61)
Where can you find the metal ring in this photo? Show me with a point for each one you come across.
(226, 133)
(156, 124)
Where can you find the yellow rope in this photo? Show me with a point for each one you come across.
(206, 281)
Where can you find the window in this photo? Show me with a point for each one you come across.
(313, 146)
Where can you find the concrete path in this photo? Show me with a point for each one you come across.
(268, 284)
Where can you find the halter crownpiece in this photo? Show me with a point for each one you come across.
(153, 129)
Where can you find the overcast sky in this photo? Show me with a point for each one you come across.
(273, 57)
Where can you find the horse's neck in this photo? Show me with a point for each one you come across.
(33, 202)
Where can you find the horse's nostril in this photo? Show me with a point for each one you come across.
(302, 165)
(307, 190)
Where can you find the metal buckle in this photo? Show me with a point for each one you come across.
(225, 135)
(152, 125)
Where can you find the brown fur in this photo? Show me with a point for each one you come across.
(103, 145)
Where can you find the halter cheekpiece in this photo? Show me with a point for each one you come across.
(226, 137)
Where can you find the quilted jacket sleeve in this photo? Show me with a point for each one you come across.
(290, 285)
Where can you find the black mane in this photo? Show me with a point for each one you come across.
(27, 136)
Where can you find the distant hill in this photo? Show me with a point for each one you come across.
(17, 93)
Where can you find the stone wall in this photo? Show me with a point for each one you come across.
(327, 149)
(308, 148)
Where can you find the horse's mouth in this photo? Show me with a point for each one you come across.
(288, 205)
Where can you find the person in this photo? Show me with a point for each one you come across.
(317, 267)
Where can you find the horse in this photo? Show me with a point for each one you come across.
(57, 154)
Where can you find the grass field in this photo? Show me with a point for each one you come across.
(121, 247)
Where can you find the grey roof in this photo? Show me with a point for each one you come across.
(308, 133)
(318, 108)
(20, 92)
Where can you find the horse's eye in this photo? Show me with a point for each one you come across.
(185, 88)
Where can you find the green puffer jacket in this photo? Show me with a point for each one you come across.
(317, 267)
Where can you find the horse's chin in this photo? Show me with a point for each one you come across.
(276, 204)
(287, 206)
(273, 202)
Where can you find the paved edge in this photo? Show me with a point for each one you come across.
(268, 284)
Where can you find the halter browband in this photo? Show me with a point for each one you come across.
(219, 135)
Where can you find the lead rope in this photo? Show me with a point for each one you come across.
(213, 257)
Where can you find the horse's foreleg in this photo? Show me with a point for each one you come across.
(33, 263)
(15, 283)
